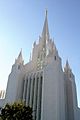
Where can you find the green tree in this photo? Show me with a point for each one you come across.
(16, 111)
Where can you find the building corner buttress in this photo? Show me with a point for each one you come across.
(70, 93)
(15, 81)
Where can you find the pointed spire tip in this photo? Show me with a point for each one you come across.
(45, 32)
(67, 64)
(46, 12)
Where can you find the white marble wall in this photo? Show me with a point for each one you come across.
(53, 103)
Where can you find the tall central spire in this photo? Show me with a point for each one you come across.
(45, 32)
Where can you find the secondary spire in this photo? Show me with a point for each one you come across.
(20, 58)
(67, 64)
(67, 67)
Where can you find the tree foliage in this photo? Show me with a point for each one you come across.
(16, 111)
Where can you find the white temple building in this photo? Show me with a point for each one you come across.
(42, 83)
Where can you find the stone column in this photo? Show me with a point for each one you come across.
(39, 97)
(31, 91)
(28, 91)
(35, 97)
(25, 88)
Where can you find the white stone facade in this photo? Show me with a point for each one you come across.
(42, 83)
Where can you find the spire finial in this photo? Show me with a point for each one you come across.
(46, 12)
(20, 54)
(67, 63)
(21, 50)
(67, 66)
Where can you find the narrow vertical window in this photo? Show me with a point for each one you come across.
(55, 57)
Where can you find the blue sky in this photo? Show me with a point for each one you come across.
(21, 23)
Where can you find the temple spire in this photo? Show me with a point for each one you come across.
(20, 58)
(45, 32)
(67, 66)
(20, 55)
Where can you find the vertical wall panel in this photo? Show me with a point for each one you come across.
(28, 90)
(35, 98)
(25, 89)
(33, 93)
(39, 97)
